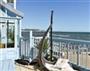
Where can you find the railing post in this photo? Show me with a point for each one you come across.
(60, 49)
(78, 51)
(74, 52)
(20, 48)
(67, 50)
(86, 56)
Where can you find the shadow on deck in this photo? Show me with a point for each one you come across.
(79, 68)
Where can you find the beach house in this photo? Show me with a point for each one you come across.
(10, 33)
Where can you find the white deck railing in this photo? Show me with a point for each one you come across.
(77, 51)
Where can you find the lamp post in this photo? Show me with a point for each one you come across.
(51, 44)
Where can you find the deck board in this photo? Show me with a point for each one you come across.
(20, 67)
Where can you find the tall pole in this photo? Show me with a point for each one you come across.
(51, 44)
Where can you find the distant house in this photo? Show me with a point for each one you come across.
(10, 32)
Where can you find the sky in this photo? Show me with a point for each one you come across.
(69, 15)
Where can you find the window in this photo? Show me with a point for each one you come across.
(7, 34)
(0, 32)
(10, 1)
(8, 38)
(2, 35)
(10, 34)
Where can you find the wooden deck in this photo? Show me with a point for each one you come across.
(20, 67)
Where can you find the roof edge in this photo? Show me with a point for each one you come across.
(8, 7)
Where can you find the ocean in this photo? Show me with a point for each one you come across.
(73, 35)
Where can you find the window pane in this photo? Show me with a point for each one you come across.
(10, 34)
(2, 35)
